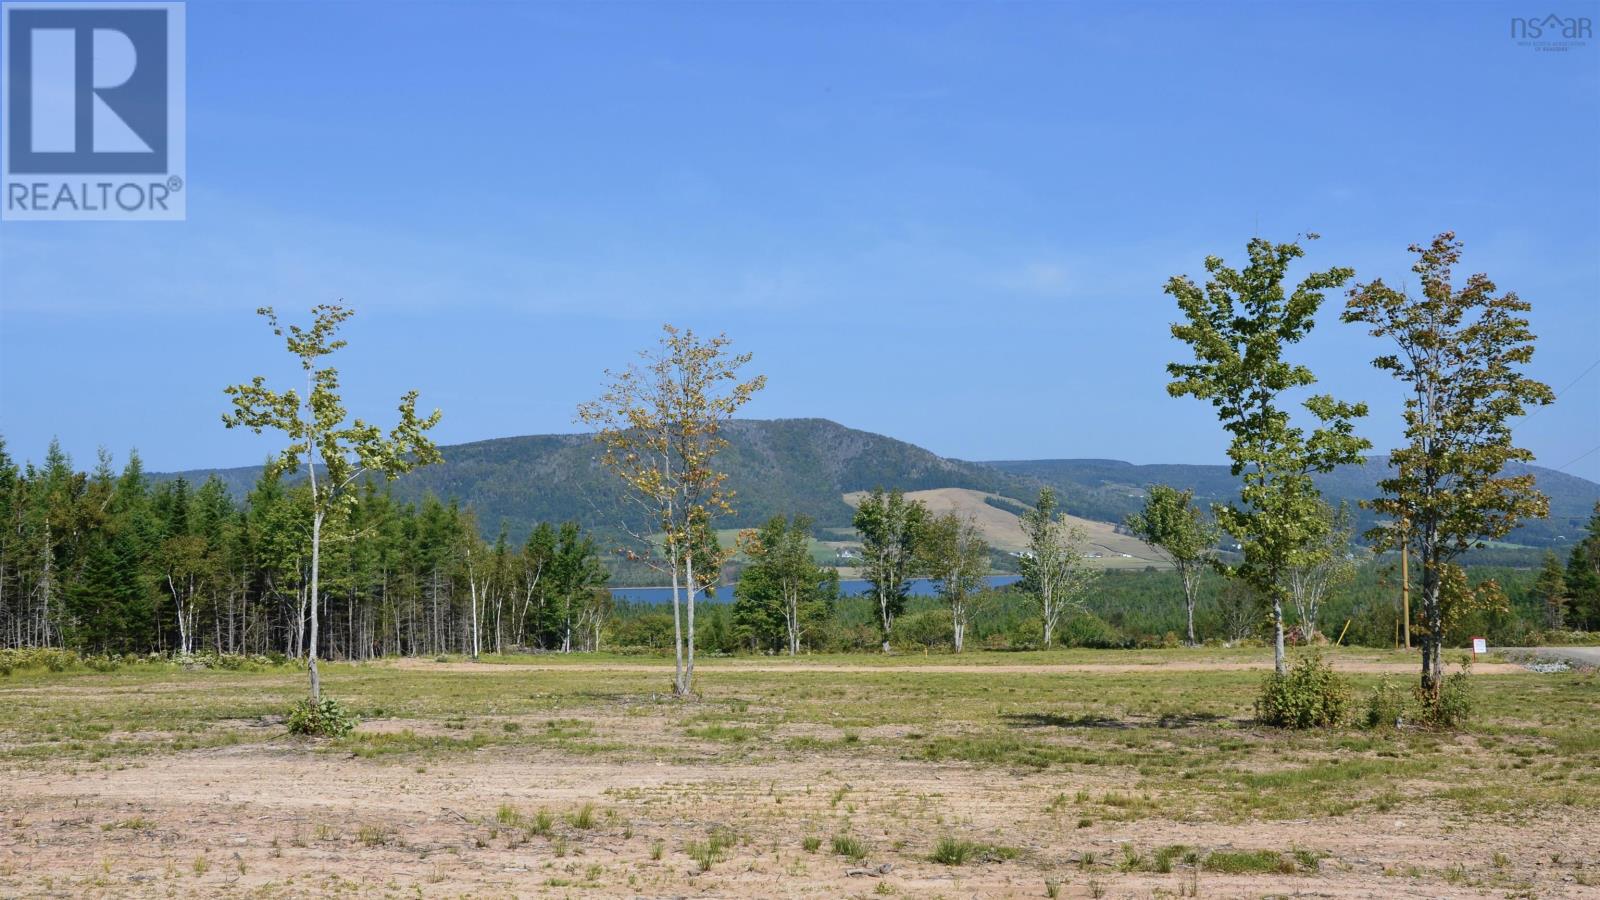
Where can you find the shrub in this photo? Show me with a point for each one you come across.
(1386, 708)
(927, 629)
(325, 718)
(57, 660)
(1310, 696)
(1089, 630)
(1454, 705)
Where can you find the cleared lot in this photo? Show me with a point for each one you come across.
(1097, 773)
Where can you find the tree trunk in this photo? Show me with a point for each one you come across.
(688, 663)
(885, 618)
(1048, 607)
(677, 628)
(1189, 585)
(311, 647)
(792, 615)
(472, 585)
(1433, 621)
(1279, 659)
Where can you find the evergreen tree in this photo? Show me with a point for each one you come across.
(1551, 589)
(1583, 576)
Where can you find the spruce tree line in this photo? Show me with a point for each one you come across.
(115, 562)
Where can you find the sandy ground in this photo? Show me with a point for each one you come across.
(280, 818)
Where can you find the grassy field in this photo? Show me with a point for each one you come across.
(1072, 774)
(1002, 528)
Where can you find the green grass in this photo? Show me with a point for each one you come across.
(1253, 862)
(951, 851)
(849, 846)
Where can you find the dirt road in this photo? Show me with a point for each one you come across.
(716, 666)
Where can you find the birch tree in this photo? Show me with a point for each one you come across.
(957, 557)
(1055, 571)
(659, 423)
(1175, 527)
(334, 450)
(1320, 567)
(891, 529)
(1238, 326)
(783, 589)
(1459, 358)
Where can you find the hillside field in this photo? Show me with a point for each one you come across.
(1067, 773)
(1002, 528)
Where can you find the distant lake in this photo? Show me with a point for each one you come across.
(920, 587)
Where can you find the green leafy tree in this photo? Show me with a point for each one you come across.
(660, 422)
(576, 574)
(1238, 326)
(1171, 523)
(891, 529)
(1055, 571)
(956, 556)
(334, 451)
(783, 595)
(1459, 356)
(533, 585)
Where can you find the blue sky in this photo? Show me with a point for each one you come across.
(949, 223)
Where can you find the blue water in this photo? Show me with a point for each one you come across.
(920, 587)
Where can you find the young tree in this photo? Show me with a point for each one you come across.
(891, 529)
(1054, 570)
(537, 554)
(335, 452)
(783, 593)
(575, 576)
(1460, 356)
(1551, 589)
(660, 422)
(478, 558)
(1238, 326)
(1171, 523)
(955, 555)
(1321, 566)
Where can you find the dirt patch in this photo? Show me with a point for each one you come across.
(289, 819)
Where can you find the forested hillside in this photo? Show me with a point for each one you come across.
(1110, 490)
(780, 466)
(806, 466)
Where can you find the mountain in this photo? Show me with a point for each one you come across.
(776, 466)
(1108, 490)
(808, 465)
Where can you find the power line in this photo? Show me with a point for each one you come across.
(1579, 378)
(1558, 394)
(1581, 456)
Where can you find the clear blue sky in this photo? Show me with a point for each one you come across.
(946, 223)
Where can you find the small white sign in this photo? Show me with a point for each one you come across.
(1479, 646)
